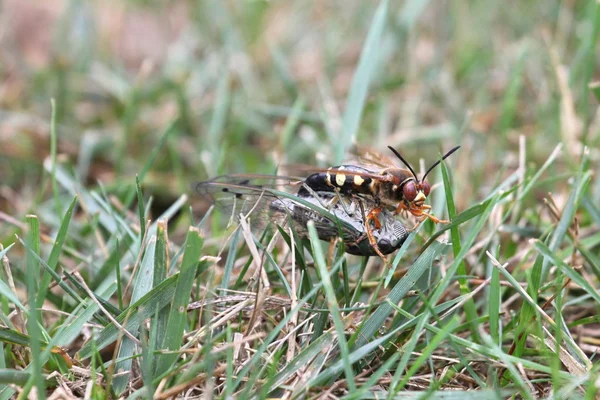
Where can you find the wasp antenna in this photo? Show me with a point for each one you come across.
(435, 164)
(404, 161)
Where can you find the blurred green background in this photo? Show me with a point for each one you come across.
(246, 86)
(180, 91)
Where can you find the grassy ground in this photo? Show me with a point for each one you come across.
(109, 111)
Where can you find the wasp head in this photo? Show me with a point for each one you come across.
(412, 191)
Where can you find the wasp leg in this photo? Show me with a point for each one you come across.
(436, 220)
(364, 217)
(422, 213)
(401, 207)
(330, 252)
(339, 199)
(373, 217)
(419, 212)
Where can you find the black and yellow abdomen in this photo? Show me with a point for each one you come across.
(335, 179)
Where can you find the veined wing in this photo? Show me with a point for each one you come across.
(370, 158)
(257, 197)
(246, 194)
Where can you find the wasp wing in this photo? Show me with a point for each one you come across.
(370, 158)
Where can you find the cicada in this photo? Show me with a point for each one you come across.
(364, 198)
(334, 215)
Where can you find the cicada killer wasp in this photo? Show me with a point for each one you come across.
(391, 188)
(259, 198)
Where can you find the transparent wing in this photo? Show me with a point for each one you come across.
(250, 195)
(369, 157)
(261, 199)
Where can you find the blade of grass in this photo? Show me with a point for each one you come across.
(142, 284)
(494, 306)
(361, 81)
(332, 304)
(161, 263)
(61, 236)
(178, 311)
(214, 140)
(20, 378)
(566, 219)
(511, 97)
(291, 123)
(141, 213)
(398, 257)
(470, 308)
(426, 353)
(231, 257)
(35, 335)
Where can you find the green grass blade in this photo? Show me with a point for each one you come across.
(53, 152)
(171, 128)
(332, 304)
(470, 307)
(427, 352)
(141, 210)
(357, 96)
(35, 335)
(291, 124)
(568, 213)
(178, 312)
(231, 257)
(161, 264)
(20, 378)
(61, 236)
(141, 286)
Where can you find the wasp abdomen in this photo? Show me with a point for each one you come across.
(336, 179)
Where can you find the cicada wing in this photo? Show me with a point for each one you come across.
(249, 195)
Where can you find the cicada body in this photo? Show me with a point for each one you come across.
(333, 214)
(344, 217)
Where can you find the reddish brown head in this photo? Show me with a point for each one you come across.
(412, 190)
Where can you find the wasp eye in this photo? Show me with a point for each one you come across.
(426, 188)
(409, 191)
